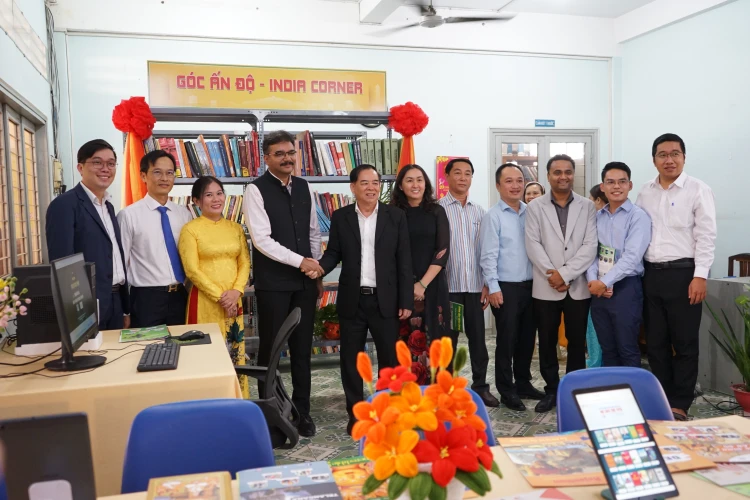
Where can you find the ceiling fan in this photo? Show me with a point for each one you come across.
(431, 19)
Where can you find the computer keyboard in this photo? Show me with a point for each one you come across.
(159, 357)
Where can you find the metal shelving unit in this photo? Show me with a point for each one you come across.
(256, 119)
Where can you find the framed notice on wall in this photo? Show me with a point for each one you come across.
(260, 87)
(441, 184)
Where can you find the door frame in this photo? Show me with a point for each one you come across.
(495, 133)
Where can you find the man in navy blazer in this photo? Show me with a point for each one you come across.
(83, 220)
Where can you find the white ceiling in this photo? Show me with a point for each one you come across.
(593, 8)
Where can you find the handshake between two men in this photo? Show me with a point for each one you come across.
(311, 268)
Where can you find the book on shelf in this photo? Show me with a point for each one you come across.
(232, 207)
(328, 203)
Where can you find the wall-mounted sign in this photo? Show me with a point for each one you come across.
(544, 123)
(258, 87)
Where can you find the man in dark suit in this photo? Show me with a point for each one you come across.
(376, 286)
(83, 220)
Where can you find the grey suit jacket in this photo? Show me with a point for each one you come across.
(570, 255)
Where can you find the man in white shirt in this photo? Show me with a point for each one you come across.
(83, 220)
(283, 222)
(677, 262)
(150, 231)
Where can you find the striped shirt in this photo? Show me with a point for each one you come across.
(464, 273)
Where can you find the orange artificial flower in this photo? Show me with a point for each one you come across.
(394, 378)
(372, 418)
(462, 414)
(416, 410)
(394, 454)
(364, 367)
(446, 352)
(403, 354)
(446, 390)
(435, 354)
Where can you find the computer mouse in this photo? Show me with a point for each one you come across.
(192, 335)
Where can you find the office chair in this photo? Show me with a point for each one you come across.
(647, 389)
(281, 414)
(744, 260)
(481, 413)
(190, 437)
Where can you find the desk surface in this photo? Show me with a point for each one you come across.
(113, 394)
(514, 483)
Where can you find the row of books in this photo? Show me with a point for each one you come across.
(328, 203)
(226, 157)
(232, 207)
(328, 298)
(320, 157)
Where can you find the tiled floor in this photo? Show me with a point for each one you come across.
(328, 409)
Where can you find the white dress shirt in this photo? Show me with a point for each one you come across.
(260, 228)
(146, 256)
(367, 226)
(118, 270)
(683, 222)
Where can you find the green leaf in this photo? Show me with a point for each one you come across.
(420, 486)
(737, 351)
(371, 484)
(483, 478)
(460, 360)
(496, 470)
(396, 485)
(471, 481)
(437, 492)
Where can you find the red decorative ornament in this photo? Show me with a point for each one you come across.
(408, 120)
(134, 116)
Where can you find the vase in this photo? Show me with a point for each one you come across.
(454, 491)
(742, 396)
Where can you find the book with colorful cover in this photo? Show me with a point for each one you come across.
(142, 334)
(717, 441)
(312, 480)
(350, 475)
(457, 316)
(206, 486)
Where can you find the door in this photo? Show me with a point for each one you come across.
(532, 149)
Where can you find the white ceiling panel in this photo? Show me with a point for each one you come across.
(593, 8)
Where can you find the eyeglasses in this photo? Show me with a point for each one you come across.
(98, 164)
(673, 154)
(619, 182)
(169, 174)
(281, 154)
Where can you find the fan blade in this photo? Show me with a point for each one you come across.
(390, 31)
(456, 20)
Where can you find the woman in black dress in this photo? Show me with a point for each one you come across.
(429, 236)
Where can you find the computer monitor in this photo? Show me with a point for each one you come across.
(40, 325)
(76, 313)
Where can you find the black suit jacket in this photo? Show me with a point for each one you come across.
(394, 277)
(74, 226)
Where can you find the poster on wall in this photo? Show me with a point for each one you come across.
(258, 87)
(441, 183)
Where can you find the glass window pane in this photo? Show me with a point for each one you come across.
(5, 256)
(17, 188)
(32, 198)
(525, 156)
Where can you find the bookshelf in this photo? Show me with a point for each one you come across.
(256, 119)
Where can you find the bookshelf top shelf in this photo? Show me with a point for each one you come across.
(320, 179)
(170, 114)
(193, 134)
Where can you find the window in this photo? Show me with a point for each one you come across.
(21, 225)
(4, 209)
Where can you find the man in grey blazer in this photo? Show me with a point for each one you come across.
(561, 242)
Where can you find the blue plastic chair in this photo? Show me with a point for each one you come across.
(647, 389)
(481, 412)
(191, 437)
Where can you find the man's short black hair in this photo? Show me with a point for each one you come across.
(277, 137)
(89, 149)
(615, 165)
(502, 167)
(149, 160)
(667, 138)
(559, 158)
(354, 174)
(450, 164)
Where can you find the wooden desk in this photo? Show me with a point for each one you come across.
(514, 483)
(113, 394)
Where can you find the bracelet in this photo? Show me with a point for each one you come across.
(423, 285)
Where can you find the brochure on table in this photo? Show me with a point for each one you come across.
(717, 442)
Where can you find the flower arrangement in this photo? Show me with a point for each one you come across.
(11, 303)
(426, 445)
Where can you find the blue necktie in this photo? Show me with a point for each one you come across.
(174, 256)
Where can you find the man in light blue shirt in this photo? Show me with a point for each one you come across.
(624, 232)
(507, 271)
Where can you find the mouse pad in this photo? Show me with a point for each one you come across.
(185, 343)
